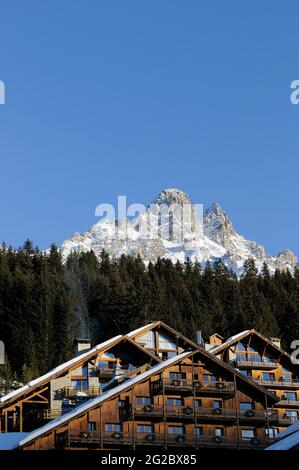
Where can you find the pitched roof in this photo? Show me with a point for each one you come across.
(104, 396)
(233, 339)
(287, 443)
(59, 369)
(151, 326)
(129, 383)
(72, 362)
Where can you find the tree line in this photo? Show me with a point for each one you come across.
(46, 302)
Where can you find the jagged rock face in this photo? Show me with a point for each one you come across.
(172, 196)
(177, 237)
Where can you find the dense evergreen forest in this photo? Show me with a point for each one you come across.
(45, 302)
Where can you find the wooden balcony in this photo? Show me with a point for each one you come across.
(51, 414)
(280, 384)
(285, 420)
(199, 387)
(120, 439)
(262, 365)
(253, 415)
(287, 403)
(73, 392)
(182, 412)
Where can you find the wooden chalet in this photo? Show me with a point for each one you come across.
(192, 400)
(72, 383)
(162, 341)
(263, 361)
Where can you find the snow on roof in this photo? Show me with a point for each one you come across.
(229, 340)
(139, 330)
(10, 440)
(104, 396)
(289, 430)
(286, 443)
(58, 369)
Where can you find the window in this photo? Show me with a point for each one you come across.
(177, 375)
(240, 347)
(85, 369)
(245, 372)
(198, 431)
(218, 432)
(80, 384)
(174, 402)
(290, 396)
(246, 405)
(146, 428)
(268, 376)
(143, 400)
(250, 349)
(209, 378)
(273, 432)
(176, 430)
(286, 377)
(254, 358)
(121, 403)
(267, 360)
(217, 404)
(91, 426)
(166, 343)
(247, 434)
(241, 357)
(197, 403)
(113, 427)
(293, 415)
(148, 340)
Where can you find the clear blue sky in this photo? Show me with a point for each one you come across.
(129, 97)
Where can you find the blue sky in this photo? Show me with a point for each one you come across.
(129, 97)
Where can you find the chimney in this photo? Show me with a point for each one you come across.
(81, 345)
(216, 339)
(276, 342)
(198, 338)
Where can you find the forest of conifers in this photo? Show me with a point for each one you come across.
(46, 302)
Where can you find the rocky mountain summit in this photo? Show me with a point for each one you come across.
(172, 227)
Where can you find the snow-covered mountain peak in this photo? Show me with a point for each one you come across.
(171, 196)
(200, 240)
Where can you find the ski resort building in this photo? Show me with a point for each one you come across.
(155, 387)
(72, 383)
(88, 374)
(263, 361)
(190, 400)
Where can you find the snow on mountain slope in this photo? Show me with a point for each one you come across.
(199, 237)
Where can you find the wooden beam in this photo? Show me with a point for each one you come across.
(21, 417)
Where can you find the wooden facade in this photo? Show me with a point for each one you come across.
(72, 383)
(189, 401)
(265, 363)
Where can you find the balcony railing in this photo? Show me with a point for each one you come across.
(51, 414)
(71, 392)
(256, 364)
(110, 371)
(200, 387)
(285, 420)
(254, 415)
(186, 412)
(118, 439)
(286, 402)
(279, 383)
